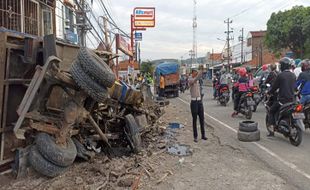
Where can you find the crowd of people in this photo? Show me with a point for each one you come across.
(292, 78)
(289, 81)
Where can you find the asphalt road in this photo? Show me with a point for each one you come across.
(290, 162)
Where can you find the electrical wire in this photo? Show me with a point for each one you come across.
(247, 9)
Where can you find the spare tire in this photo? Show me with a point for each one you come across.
(133, 134)
(248, 126)
(43, 166)
(96, 67)
(58, 155)
(86, 83)
(249, 136)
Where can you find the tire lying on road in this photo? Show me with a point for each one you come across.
(249, 136)
(133, 134)
(86, 83)
(95, 67)
(60, 155)
(248, 126)
(43, 166)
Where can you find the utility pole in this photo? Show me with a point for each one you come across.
(82, 24)
(194, 51)
(241, 38)
(212, 57)
(261, 53)
(228, 22)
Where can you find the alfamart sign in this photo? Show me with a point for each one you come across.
(144, 17)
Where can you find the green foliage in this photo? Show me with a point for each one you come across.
(147, 67)
(289, 30)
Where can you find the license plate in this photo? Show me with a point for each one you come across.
(226, 94)
(298, 115)
(250, 103)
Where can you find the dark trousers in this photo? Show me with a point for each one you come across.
(273, 112)
(237, 99)
(197, 110)
(161, 92)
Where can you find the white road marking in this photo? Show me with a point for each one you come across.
(268, 151)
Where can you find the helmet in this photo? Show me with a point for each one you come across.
(273, 67)
(242, 72)
(297, 61)
(305, 65)
(285, 63)
(248, 69)
(265, 67)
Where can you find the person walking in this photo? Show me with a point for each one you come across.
(196, 104)
(161, 85)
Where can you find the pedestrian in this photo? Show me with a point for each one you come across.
(161, 85)
(196, 104)
(303, 82)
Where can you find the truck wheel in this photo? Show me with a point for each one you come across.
(57, 154)
(86, 83)
(93, 65)
(248, 126)
(249, 136)
(133, 134)
(43, 166)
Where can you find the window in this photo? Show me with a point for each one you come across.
(249, 42)
(47, 22)
(69, 19)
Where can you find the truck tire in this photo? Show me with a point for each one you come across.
(94, 66)
(248, 126)
(86, 83)
(58, 155)
(249, 136)
(133, 134)
(43, 166)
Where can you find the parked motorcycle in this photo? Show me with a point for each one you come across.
(224, 94)
(246, 104)
(256, 96)
(307, 115)
(289, 121)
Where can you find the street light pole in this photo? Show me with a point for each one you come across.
(228, 22)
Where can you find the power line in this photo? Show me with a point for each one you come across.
(112, 20)
(247, 9)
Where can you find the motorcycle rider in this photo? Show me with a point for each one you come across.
(242, 87)
(223, 81)
(264, 74)
(250, 76)
(303, 81)
(272, 75)
(285, 83)
(215, 82)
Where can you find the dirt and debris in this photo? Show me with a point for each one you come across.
(211, 165)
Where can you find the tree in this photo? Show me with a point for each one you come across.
(288, 30)
(147, 67)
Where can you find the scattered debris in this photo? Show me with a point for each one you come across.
(179, 150)
(164, 177)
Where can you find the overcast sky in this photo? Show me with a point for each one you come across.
(172, 36)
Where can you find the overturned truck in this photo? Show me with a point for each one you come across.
(66, 105)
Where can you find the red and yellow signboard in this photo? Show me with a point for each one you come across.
(144, 17)
(123, 45)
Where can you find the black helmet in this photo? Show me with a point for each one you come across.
(285, 63)
(305, 65)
